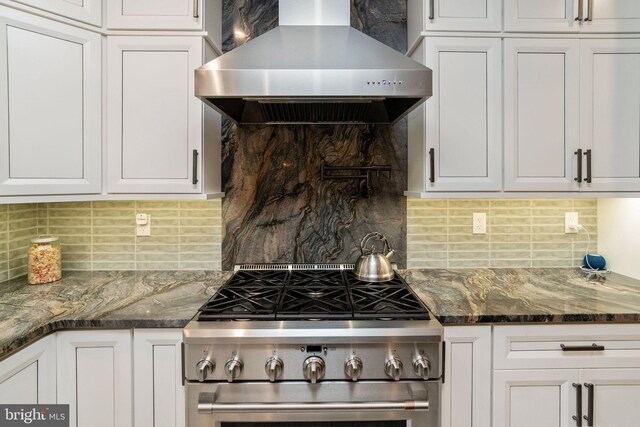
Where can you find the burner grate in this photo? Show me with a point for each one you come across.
(318, 292)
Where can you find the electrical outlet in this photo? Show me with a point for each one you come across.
(479, 223)
(571, 222)
(143, 225)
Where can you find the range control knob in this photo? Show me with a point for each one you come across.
(273, 368)
(422, 366)
(393, 368)
(353, 368)
(233, 368)
(313, 369)
(204, 368)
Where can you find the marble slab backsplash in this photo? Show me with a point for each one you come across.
(276, 207)
(520, 233)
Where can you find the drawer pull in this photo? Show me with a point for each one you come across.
(592, 347)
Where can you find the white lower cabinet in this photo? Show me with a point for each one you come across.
(564, 371)
(29, 376)
(616, 393)
(466, 391)
(157, 384)
(534, 398)
(95, 377)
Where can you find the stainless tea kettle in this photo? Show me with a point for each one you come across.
(373, 266)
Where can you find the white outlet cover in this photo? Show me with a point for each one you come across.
(144, 229)
(479, 223)
(570, 222)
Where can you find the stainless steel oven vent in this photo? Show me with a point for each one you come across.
(313, 54)
(327, 111)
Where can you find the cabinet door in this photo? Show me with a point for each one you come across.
(541, 16)
(89, 11)
(466, 391)
(157, 384)
(463, 15)
(154, 119)
(461, 122)
(541, 114)
(611, 16)
(154, 14)
(29, 376)
(94, 377)
(616, 393)
(535, 398)
(609, 113)
(50, 107)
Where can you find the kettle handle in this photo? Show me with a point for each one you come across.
(386, 248)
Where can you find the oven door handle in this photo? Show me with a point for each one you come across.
(207, 405)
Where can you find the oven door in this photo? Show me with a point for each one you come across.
(339, 403)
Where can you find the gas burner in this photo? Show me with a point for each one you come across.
(316, 278)
(314, 302)
(306, 294)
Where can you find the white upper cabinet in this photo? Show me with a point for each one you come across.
(154, 119)
(589, 16)
(541, 114)
(611, 16)
(610, 114)
(455, 137)
(541, 15)
(155, 14)
(50, 107)
(453, 15)
(89, 11)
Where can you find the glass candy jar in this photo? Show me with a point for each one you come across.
(45, 260)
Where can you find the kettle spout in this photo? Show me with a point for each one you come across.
(390, 253)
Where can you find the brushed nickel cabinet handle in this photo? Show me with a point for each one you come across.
(196, 13)
(589, 17)
(432, 9)
(578, 416)
(580, 10)
(578, 154)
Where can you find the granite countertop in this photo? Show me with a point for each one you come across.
(525, 295)
(169, 299)
(110, 300)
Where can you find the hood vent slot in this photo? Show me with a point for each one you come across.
(315, 112)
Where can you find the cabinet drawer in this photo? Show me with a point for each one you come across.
(541, 346)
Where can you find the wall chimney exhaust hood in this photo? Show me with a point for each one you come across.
(313, 68)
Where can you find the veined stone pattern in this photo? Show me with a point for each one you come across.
(276, 208)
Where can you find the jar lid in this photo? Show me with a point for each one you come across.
(44, 239)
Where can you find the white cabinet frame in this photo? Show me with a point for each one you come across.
(69, 343)
(43, 354)
(88, 11)
(569, 49)
(118, 19)
(116, 183)
(91, 108)
(153, 400)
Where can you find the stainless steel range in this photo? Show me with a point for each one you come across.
(310, 343)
